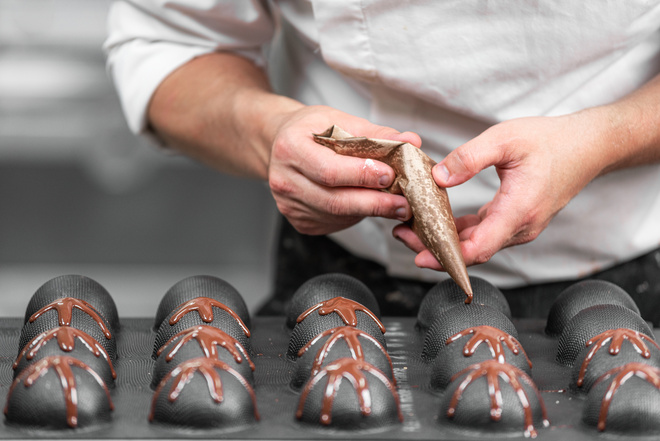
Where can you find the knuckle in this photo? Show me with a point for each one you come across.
(335, 205)
(465, 157)
(383, 206)
(483, 258)
(528, 236)
(282, 148)
(280, 186)
(328, 175)
(532, 226)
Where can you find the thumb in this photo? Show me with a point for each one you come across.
(466, 161)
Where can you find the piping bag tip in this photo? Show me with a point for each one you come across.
(463, 281)
(452, 261)
(468, 293)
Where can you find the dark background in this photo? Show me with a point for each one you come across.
(80, 194)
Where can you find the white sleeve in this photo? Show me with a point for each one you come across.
(148, 39)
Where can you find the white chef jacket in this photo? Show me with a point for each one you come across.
(446, 70)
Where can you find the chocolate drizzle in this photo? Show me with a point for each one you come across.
(616, 337)
(495, 338)
(61, 364)
(493, 370)
(354, 371)
(622, 374)
(204, 307)
(208, 338)
(207, 367)
(344, 308)
(64, 307)
(350, 335)
(66, 338)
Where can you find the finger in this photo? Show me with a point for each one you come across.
(362, 202)
(465, 224)
(426, 259)
(370, 130)
(342, 201)
(325, 167)
(409, 137)
(406, 235)
(467, 160)
(491, 234)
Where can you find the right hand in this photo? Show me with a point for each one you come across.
(320, 191)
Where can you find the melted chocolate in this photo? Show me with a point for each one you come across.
(66, 338)
(353, 370)
(64, 308)
(493, 337)
(184, 372)
(61, 364)
(208, 338)
(616, 337)
(493, 370)
(351, 337)
(343, 307)
(204, 307)
(622, 374)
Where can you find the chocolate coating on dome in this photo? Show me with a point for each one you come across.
(591, 322)
(201, 286)
(78, 287)
(325, 287)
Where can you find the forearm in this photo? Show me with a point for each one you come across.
(219, 109)
(632, 136)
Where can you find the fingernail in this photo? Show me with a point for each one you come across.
(384, 181)
(400, 213)
(442, 172)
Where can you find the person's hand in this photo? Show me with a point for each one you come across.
(542, 163)
(321, 192)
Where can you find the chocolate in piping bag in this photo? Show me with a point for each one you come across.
(432, 218)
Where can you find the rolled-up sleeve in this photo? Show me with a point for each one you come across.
(148, 39)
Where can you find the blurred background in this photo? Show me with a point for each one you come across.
(79, 194)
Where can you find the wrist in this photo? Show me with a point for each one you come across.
(257, 116)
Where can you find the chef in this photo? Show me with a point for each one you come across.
(544, 118)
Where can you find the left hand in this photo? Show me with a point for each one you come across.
(542, 163)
